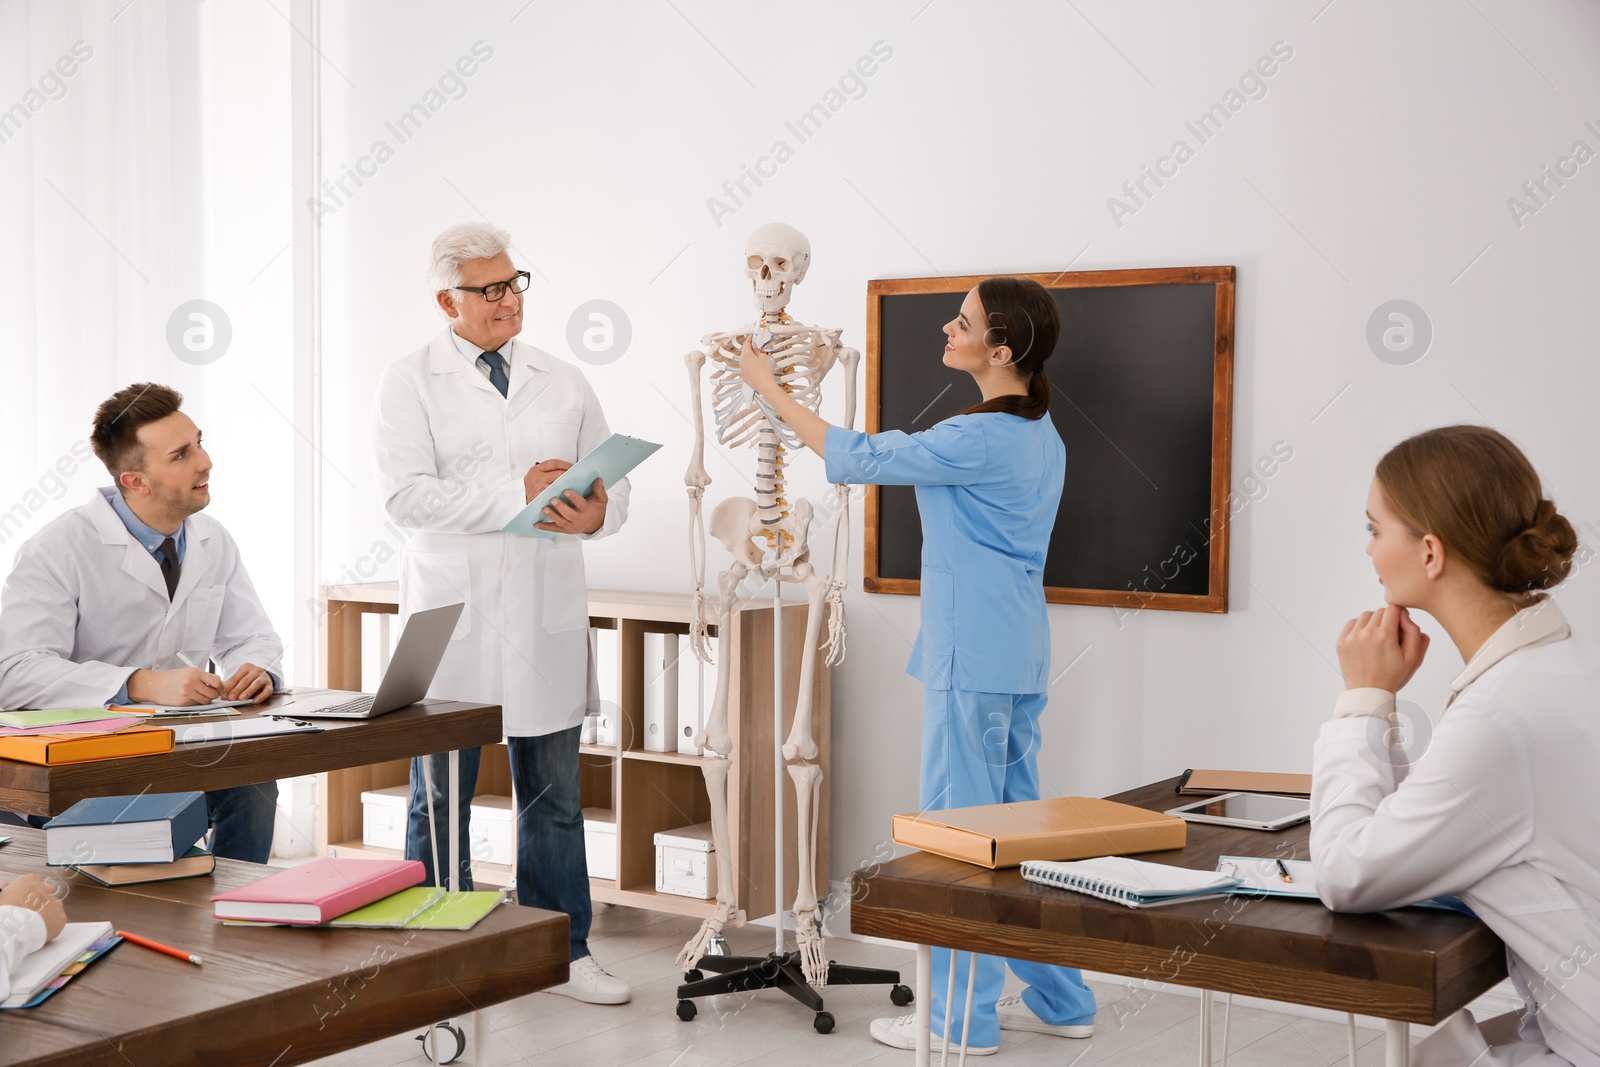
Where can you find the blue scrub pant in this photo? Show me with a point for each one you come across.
(983, 748)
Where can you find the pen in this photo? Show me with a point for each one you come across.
(159, 947)
(1283, 872)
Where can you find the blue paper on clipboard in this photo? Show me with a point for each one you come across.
(610, 461)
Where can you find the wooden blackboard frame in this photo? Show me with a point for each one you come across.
(1215, 599)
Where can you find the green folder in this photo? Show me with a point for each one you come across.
(423, 908)
(32, 720)
(457, 911)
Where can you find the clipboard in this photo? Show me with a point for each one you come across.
(610, 461)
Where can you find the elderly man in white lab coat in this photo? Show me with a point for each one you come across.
(466, 431)
(126, 598)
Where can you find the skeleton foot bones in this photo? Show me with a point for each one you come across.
(768, 538)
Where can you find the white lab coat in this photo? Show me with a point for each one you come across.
(22, 931)
(85, 606)
(1499, 809)
(450, 453)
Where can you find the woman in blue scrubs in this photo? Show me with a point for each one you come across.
(988, 482)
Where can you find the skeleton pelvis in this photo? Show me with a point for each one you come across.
(736, 523)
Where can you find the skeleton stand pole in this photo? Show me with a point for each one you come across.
(777, 761)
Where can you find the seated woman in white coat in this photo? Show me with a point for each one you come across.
(1499, 806)
(30, 917)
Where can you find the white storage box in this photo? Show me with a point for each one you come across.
(686, 862)
(600, 842)
(383, 817)
(493, 830)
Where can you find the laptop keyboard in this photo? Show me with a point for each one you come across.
(354, 706)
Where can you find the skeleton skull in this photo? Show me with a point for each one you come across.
(776, 258)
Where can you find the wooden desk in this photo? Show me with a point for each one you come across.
(436, 726)
(265, 995)
(1408, 966)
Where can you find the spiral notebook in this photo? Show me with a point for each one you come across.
(1136, 883)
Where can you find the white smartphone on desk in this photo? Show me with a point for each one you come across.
(1250, 811)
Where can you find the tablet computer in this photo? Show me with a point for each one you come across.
(1253, 811)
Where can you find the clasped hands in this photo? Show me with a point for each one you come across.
(571, 513)
(1381, 649)
(191, 685)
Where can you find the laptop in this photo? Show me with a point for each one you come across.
(411, 670)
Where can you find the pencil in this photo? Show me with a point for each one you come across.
(159, 947)
(1283, 872)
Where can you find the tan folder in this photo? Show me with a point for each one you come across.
(1210, 783)
(1062, 828)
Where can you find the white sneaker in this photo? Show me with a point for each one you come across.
(589, 983)
(902, 1033)
(1016, 1015)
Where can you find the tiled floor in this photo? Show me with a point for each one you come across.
(1134, 1028)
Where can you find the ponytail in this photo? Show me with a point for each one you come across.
(1033, 406)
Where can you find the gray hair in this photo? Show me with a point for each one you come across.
(459, 243)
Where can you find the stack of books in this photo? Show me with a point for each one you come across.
(127, 840)
(50, 738)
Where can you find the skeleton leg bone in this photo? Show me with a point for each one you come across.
(800, 741)
(807, 935)
(715, 735)
(727, 913)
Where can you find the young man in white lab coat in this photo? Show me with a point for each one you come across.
(466, 431)
(128, 597)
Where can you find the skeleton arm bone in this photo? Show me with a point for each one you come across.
(695, 479)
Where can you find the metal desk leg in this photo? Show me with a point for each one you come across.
(480, 1025)
(1205, 1028)
(1397, 1044)
(924, 1009)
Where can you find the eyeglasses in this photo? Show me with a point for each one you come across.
(495, 292)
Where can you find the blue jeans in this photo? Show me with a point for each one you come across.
(241, 821)
(552, 867)
(983, 748)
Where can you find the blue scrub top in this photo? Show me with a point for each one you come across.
(988, 486)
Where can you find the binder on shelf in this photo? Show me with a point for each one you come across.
(661, 653)
(1061, 828)
(693, 704)
(1136, 883)
(605, 692)
(109, 831)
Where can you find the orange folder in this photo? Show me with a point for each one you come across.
(50, 750)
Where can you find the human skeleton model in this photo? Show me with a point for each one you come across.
(767, 538)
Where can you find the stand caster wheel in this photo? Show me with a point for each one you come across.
(900, 996)
(443, 1043)
(687, 1010)
(823, 1022)
(692, 976)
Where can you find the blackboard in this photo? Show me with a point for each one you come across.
(1143, 399)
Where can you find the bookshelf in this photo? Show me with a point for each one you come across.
(647, 791)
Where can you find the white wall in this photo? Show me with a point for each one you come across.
(1376, 166)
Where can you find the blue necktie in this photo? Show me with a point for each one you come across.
(497, 371)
